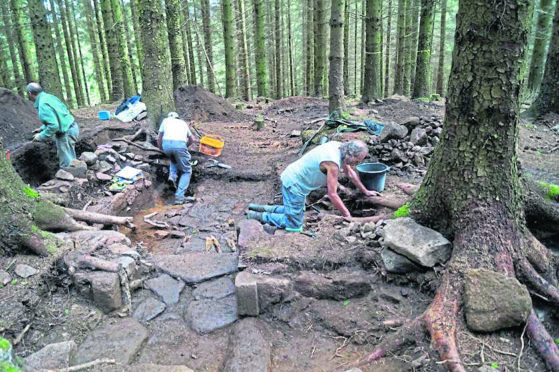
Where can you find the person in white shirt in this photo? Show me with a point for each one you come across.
(174, 138)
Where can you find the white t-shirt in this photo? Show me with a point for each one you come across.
(174, 130)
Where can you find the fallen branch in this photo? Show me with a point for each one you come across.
(158, 224)
(139, 146)
(90, 262)
(94, 363)
(21, 334)
(100, 218)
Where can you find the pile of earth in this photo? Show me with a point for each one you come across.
(194, 103)
(18, 119)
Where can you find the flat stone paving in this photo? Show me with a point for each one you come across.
(197, 267)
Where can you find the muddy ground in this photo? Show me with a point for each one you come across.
(302, 332)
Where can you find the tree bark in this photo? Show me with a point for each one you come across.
(537, 63)
(95, 51)
(24, 45)
(442, 51)
(103, 46)
(388, 50)
(172, 9)
(373, 66)
(60, 52)
(11, 39)
(260, 55)
(117, 82)
(277, 38)
(292, 79)
(548, 97)
(414, 38)
(401, 52)
(122, 50)
(72, 54)
(335, 78)
(208, 48)
(319, 46)
(200, 50)
(157, 78)
(229, 46)
(347, 88)
(129, 46)
(48, 68)
(422, 84)
(75, 40)
(244, 74)
(5, 76)
(309, 73)
(187, 26)
(137, 33)
(406, 77)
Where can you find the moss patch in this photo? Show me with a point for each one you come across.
(551, 191)
(403, 211)
(4, 344)
(30, 192)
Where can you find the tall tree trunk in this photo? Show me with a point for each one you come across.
(137, 38)
(401, 52)
(200, 49)
(11, 39)
(388, 50)
(208, 44)
(537, 63)
(175, 43)
(157, 79)
(406, 78)
(271, 47)
(260, 55)
(5, 75)
(290, 49)
(117, 83)
(244, 75)
(347, 89)
(94, 50)
(129, 43)
(229, 46)
(356, 49)
(335, 78)
(309, 73)
(77, 37)
(60, 52)
(414, 38)
(187, 63)
(548, 97)
(24, 45)
(319, 46)
(103, 46)
(70, 52)
(187, 27)
(363, 46)
(373, 66)
(72, 35)
(442, 50)
(277, 36)
(42, 36)
(122, 50)
(422, 85)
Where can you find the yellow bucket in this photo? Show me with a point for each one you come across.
(211, 144)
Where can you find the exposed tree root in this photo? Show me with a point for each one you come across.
(537, 282)
(409, 189)
(100, 218)
(35, 244)
(543, 342)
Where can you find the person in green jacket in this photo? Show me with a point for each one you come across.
(56, 121)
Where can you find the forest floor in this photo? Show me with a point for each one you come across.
(298, 331)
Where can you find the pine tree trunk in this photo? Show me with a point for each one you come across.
(442, 50)
(356, 49)
(19, 79)
(103, 46)
(70, 52)
(129, 43)
(74, 40)
(373, 66)
(260, 55)
(537, 63)
(42, 36)
(94, 50)
(118, 28)
(186, 56)
(309, 73)
(335, 76)
(175, 43)
(208, 49)
(136, 26)
(347, 89)
(319, 46)
(60, 52)
(414, 38)
(117, 82)
(5, 76)
(229, 46)
(388, 50)
(422, 85)
(24, 45)
(363, 47)
(290, 49)
(548, 97)
(406, 78)
(271, 47)
(200, 49)
(157, 80)
(277, 36)
(244, 75)
(187, 26)
(401, 52)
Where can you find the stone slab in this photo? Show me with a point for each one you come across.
(196, 267)
(214, 289)
(246, 290)
(53, 356)
(249, 348)
(205, 316)
(166, 288)
(148, 309)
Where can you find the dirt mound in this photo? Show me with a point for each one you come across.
(18, 118)
(193, 102)
(291, 103)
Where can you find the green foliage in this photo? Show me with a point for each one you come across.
(8, 367)
(4, 344)
(495, 365)
(403, 211)
(551, 191)
(30, 192)
(435, 97)
(528, 126)
(13, 282)
(346, 303)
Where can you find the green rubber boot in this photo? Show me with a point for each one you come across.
(253, 215)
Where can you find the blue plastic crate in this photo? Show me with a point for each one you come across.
(104, 115)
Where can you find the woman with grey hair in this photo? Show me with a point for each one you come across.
(319, 167)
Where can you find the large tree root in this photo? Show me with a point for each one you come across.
(100, 218)
(537, 282)
(543, 342)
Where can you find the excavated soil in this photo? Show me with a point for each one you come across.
(18, 119)
(304, 333)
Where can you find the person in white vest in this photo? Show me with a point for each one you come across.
(317, 168)
(174, 138)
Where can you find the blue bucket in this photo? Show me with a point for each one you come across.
(104, 115)
(373, 175)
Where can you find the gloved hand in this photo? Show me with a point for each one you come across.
(37, 137)
(38, 130)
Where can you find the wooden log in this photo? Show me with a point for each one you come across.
(105, 219)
